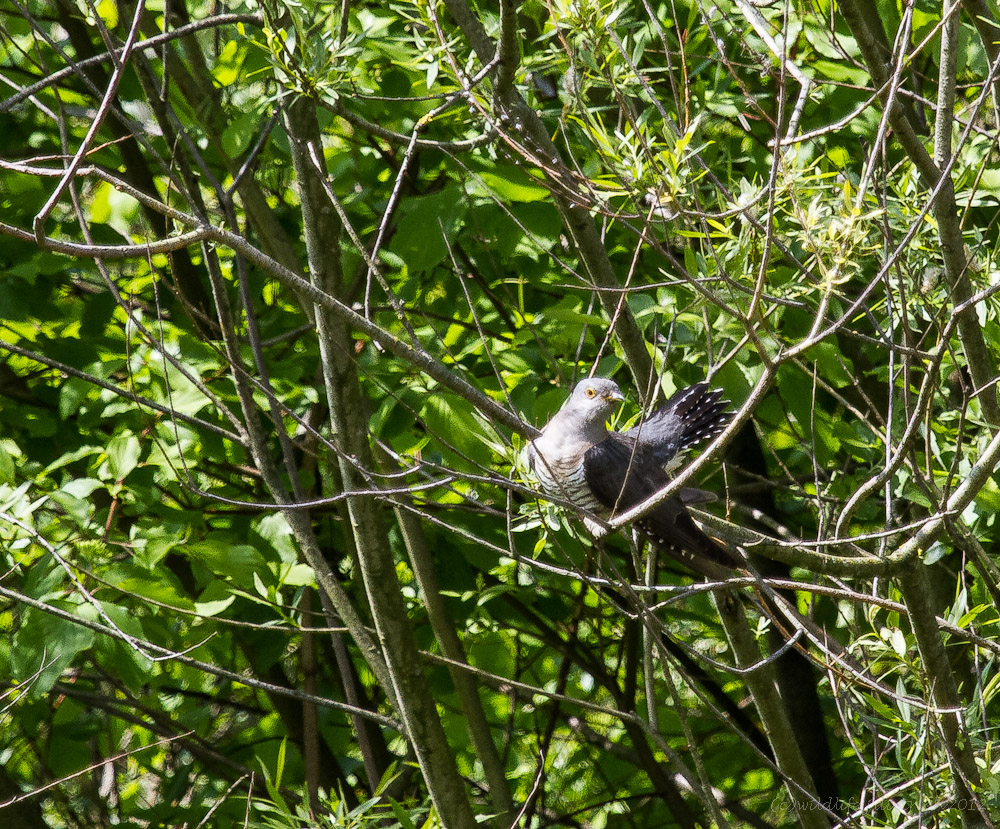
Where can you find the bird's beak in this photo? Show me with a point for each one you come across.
(614, 396)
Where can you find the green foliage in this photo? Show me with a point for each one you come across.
(190, 443)
(379, 810)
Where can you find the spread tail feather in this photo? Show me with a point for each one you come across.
(692, 415)
(701, 411)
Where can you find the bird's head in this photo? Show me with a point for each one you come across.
(594, 399)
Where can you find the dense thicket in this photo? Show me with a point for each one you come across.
(286, 288)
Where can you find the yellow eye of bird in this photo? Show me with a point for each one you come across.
(590, 392)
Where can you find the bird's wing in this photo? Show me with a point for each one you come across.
(622, 474)
(619, 472)
(690, 416)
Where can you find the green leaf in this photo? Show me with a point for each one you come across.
(239, 562)
(898, 642)
(123, 453)
(274, 528)
(237, 137)
(832, 366)
(401, 816)
(455, 421)
(44, 646)
(298, 575)
(157, 590)
(213, 608)
(935, 553)
(132, 666)
(426, 224)
(514, 185)
(7, 469)
(82, 487)
(881, 708)
(280, 765)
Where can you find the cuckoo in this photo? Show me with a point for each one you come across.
(576, 458)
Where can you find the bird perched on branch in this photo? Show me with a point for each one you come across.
(608, 473)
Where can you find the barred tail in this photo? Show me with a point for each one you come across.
(701, 410)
